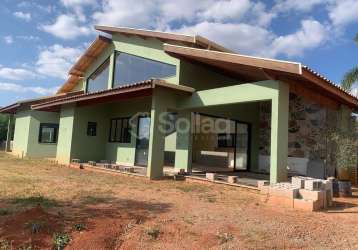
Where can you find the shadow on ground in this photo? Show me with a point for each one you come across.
(33, 221)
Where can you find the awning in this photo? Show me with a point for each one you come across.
(12, 108)
(123, 92)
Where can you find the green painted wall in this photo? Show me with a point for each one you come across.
(36, 149)
(201, 77)
(86, 147)
(21, 134)
(64, 143)
(27, 127)
(124, 153)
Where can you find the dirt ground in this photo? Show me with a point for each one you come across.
(102, 211)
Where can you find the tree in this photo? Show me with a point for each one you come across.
(3, 126)
(351, 76)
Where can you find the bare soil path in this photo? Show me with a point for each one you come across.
(102, 211)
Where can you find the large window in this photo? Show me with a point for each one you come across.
(132, 69)
(99, 79)
(48, 133)
(120, 130)
(226, 140)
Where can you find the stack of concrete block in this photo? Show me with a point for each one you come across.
(92, 163)
(107, 165)
(129, 169)
(316, 194)
(104, 161)
(282, 194)
(302, 193)
(211, 176)
(76, 161)
(232, 179)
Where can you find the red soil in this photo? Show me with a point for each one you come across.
(17, 229)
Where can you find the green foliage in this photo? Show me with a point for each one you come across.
(351, 77)
(224, 237)
(3, 126)
(35, 201)
(4, 211)
(153, 233)
(61, 240)
(4, 245)
(36, 226)
(79, 227)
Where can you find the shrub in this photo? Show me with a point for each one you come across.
(4, 211)
(35, 226)
(153, 233)
(79, 227)
(61, 240)
(224, 237)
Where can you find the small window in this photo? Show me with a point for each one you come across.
(226, 140)
(99, 79)
(131, 69)
(48, 133)
(120, 130)
(92, 128)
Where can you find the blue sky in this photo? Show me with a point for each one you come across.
(40, 40)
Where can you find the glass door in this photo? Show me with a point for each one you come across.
(142, 145)
(242, 146)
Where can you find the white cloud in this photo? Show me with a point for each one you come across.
(309, 36)
(254, 40)
(23, 15)
(125, 13)
(238, 37)
(56, 60)
(17, 88)
(294, 5)
(8, 39)
(223, 10)
(75, 3)
(16, 73)
(344, 12)
(29, 38)
(66, 27)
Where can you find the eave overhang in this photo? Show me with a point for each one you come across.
(262, 68)
(140, 89)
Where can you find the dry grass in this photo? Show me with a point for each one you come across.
(119, 211)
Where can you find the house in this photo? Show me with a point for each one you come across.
(155, 99)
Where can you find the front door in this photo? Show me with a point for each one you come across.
(142, 145)
(242, 142)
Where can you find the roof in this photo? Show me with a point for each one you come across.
(138, 89)
(187, 40)
(88, 57)
(256, 68)
(12, 108)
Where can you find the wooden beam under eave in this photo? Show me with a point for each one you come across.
(344, 97)
(222, 57)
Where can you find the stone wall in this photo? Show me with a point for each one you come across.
(307, 138)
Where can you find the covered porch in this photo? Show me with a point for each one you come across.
(123, 129)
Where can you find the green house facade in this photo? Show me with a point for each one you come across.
(155, 100)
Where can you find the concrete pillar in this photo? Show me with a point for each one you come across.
(65, 134)
(183, 153)
(157, 135)
(9, 133)
(279, 134)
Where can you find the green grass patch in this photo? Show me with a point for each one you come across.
(186, 188)
(34, 201)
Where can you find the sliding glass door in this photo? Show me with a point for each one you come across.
(242, 144)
